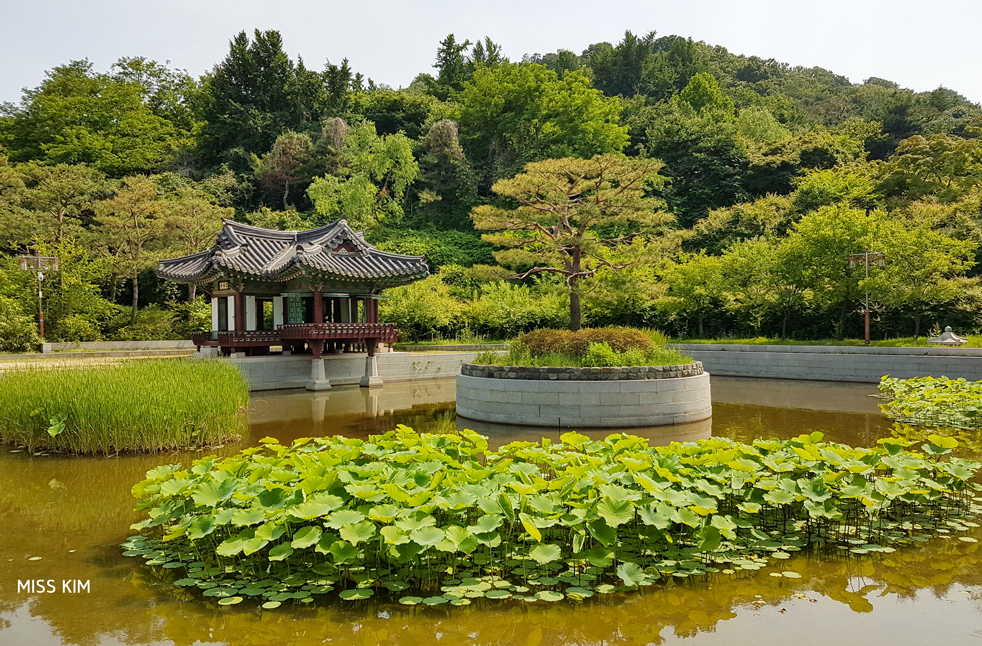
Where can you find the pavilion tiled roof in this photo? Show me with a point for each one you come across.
(335, 253)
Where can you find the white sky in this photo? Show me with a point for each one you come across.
(918, 44)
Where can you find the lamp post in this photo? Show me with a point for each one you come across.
(39, 264)
(865, 258)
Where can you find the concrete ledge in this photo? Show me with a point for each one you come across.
(613, 373)
(460, 347)
(585, 404)
(835, 363)
(282, 373)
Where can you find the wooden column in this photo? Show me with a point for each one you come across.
(318, 307)
(240, 317)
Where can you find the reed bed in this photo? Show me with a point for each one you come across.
(132, 406)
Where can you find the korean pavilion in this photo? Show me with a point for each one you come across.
(309, 291)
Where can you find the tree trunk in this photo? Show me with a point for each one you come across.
(701, 316)
(574, 291)
(574, 308)
(286, 194)
(192, 292)
(784, 326)
(917, 327)
(136, 296)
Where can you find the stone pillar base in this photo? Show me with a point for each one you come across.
(318, 376)
(371, 378)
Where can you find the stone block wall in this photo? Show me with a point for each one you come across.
(610, 403)
(835, 363)
(615, 373)
(278, 372)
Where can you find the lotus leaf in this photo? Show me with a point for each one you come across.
(356, 533)
(518, 510)
(545, 553)
(306, 536)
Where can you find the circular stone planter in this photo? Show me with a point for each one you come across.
(584, 397)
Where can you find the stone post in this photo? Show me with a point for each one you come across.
(318, 376)
(371, 378)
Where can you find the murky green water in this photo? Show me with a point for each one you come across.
(73, 513)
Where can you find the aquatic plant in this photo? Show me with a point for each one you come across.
(148, 405)
(969, 440)
(441, 519)
(930, 401)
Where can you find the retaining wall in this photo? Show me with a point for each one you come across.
(612, 403)
(835, 363)
(457, 347)
(278, 372)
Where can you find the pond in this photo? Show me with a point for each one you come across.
(62, 519)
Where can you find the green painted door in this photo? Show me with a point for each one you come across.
(295, 310)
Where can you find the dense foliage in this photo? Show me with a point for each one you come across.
(768, 177)
(139, 405)
(440, 519)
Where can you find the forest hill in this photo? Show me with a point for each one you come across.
(773, 175)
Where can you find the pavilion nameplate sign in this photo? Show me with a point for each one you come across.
(295, 310)
(223, 285)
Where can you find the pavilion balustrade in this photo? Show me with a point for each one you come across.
(297, 337)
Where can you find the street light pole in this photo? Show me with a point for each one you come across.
(38, 264)
(865, 257)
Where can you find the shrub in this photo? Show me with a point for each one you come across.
(422, 308)
(617, 339)
(76, 327)
(18, 331)
(595, 355)
(153, 323)
(192, 317)
(600, 354)
(504, 310)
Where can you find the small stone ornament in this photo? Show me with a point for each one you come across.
(947, 338)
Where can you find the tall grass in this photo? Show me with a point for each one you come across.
(153, 405)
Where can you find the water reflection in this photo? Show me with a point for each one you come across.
(74, 512)
(501, 434)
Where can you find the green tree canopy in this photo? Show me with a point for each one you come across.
(115, 123)
(370, 183)
(515, 113)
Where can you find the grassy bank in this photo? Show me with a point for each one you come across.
(153, 405)
(902, 342)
